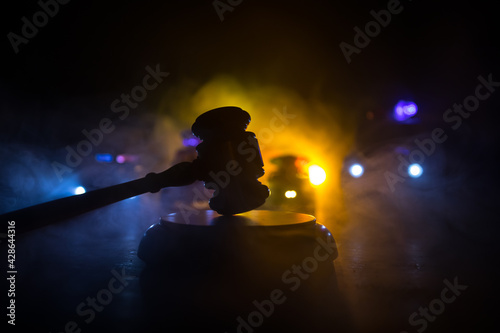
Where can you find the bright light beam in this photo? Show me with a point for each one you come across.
(80, 190)
(415, 170)
(290, 194)
(316, 175)
(356, 170)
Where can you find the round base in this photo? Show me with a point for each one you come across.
(206, 239)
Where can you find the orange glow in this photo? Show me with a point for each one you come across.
(284, 122)
(317, 175)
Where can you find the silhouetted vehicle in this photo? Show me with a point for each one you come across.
(391, 149)
(290, 187)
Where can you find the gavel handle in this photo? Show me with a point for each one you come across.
(51, 212)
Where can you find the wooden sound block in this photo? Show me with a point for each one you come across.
(207, 239)
(219, 269)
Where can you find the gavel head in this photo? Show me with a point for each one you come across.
(229, 160)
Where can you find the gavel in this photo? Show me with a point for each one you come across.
(229, 162)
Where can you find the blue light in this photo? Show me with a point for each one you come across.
(415, 170)
(79, 190)
(410, 109)
(404, 110)
(107, 158)
(191, 142)
(356, 170)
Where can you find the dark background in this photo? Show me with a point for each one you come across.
(91, 52)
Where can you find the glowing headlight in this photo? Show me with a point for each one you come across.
(316, 175)
(290, 194)
(415, 170)
(356, 170)
(79, 190)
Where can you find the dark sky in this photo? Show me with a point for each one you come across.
(92, 51)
